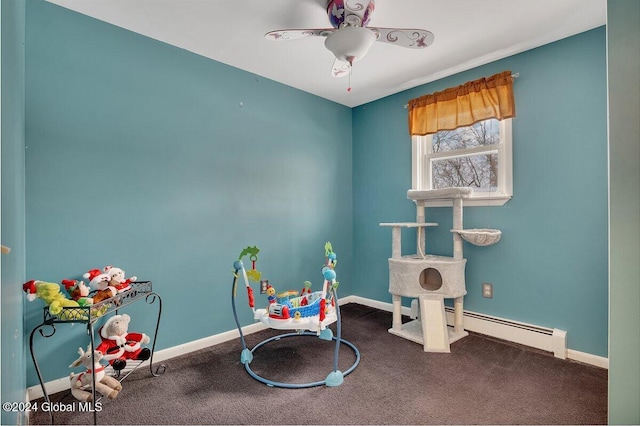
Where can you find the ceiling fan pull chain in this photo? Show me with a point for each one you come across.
(350, 71)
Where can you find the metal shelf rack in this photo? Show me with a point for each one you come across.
(140, 290)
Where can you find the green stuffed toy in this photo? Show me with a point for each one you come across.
(50, 294)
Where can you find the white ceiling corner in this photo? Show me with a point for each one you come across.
(468, 33)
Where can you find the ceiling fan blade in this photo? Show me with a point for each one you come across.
(405, 37)
(293, 34)
(340, 68)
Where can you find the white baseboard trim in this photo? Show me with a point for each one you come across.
(347, 299)
(383, 306)
(587, 358)
(479, 323)
(53, 386)
(547, 339)
(206, 342)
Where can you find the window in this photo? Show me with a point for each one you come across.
(477, 156)
(477, 152)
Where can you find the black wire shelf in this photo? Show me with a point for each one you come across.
(139, 290)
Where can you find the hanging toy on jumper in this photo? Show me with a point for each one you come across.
(253, 274)
(332, 258)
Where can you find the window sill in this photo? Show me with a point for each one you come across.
(494, 200)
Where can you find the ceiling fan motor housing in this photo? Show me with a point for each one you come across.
(350, 12)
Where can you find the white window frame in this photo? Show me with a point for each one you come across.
(422, 155)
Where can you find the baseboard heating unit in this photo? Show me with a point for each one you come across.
(546, 339)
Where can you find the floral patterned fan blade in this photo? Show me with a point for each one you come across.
(405, 37)
(340, 68)
(297, 34)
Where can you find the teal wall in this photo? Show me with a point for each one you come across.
(623, 43)
(550, 268)
(12, 142)
(148, 157)
(167, 164)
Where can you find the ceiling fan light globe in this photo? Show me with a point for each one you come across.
(350, 44)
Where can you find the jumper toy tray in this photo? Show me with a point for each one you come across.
(299, 313)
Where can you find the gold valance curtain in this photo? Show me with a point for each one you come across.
(489, 97)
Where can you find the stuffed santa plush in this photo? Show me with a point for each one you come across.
(117, 278)
(119, 345)
(100, 281)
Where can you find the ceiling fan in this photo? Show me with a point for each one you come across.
(350, 38)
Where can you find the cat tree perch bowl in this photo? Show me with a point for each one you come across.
(479, 237)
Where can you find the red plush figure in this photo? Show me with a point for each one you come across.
(117, 278)
(78, 291)
(119, 345)
(100, 281)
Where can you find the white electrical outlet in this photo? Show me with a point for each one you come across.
(487, 290)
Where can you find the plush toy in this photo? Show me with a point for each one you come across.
(119, 345)
(100, 281)
(106, 385)
(117, 278)
(50, 294)
(78, 291)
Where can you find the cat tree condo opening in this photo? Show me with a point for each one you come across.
(430, 279)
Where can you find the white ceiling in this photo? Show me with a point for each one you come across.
(468, 33)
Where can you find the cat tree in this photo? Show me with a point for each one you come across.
(430, 279)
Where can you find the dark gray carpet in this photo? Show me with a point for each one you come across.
(482, 381)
